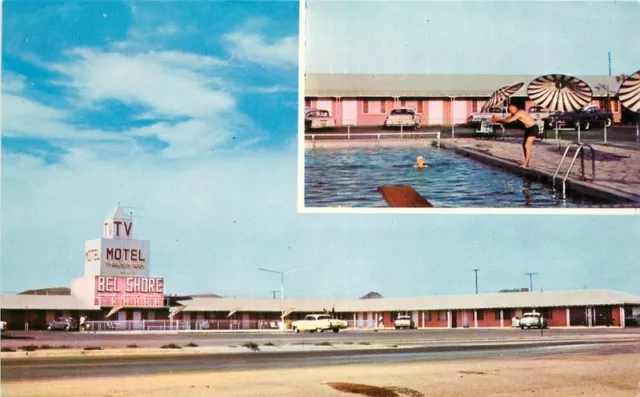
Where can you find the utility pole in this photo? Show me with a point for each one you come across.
(274, 292)
(609, 63)
(476, 271)
(531, 274)
(608, 90)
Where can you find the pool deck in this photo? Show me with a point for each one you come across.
(617, 168)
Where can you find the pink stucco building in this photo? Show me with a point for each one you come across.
(366, 100)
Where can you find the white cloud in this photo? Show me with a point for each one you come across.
(12, 82)
(166, 83)
(23, 117)
(254, 48)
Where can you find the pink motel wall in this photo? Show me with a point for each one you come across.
(434, 111)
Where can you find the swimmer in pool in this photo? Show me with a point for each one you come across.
(530, 130)
(420, 164)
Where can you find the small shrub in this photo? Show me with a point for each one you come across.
(269, 344)
(7, 350)
(233, 347)
(92, 348)
(348, 343)
(45, 347)
(29, 348)
(393, 345)
(63, 347)
(170, 346)
(324, 344)
(364, 343)
(191, 344)
(133, 346)
(252, 346)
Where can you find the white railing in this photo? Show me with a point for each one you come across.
(181, 325)
(378, 135)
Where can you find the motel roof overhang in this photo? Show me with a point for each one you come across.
(344, 85)
(513, 300)
(44, 302)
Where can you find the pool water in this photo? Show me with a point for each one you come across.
(350, 177)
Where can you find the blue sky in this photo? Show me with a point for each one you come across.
(473, 37)
(186, 111)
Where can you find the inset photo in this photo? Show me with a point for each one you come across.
(500, 107)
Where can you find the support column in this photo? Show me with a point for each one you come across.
(622, 315)
(501, 318)
(475, 319)
(568, 317)
(449, 320)
(355, 321)
(589, 317)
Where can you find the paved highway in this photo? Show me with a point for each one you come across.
(38, 368)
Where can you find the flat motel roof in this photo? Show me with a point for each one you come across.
(346, 85)
(511, 300)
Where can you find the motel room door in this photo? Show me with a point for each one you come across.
(137, 320)
(349, 112)
(454, 319)
(122, 318)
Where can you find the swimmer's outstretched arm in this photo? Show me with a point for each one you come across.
(510, 119)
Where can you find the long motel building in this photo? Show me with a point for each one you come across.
(118, 292)
(441, 99)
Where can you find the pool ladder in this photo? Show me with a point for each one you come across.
(580, 151)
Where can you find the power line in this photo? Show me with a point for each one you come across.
(531, 274)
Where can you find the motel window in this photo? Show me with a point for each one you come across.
(442, 315)
(383, 107)
(365, 107)
(427, 316)
(480, 315)
(614, 105)
(403, 103)
(496, 314)
(508, 313)
(420, 106)
(547, 313)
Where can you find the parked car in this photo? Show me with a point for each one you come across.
(531, 320)
(317, 119)
(403, 117)
(586, 118)
(497, 111)
(539, 113)
(63, 324)
(404, 322)
(318, 323)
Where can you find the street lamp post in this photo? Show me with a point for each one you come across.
(476, 270)
(281, 273)
(531, 274)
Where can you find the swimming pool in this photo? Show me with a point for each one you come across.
(349, 177)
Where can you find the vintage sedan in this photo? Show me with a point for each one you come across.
(403, 117)
(63, 324)
(318, 119)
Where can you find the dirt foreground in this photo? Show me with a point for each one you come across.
(608, 371)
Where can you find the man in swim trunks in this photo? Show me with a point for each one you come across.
(530, 130)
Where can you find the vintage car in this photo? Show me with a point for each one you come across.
(318, 323)
(318, 119)
(403, 117)
(63, 324)
(404, 322)
(539, 113)
(497, 111)
(585, 118)
(531, 320)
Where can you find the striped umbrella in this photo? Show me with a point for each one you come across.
(629, 92)
(558, 92)
(500, 95)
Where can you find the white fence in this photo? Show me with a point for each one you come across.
(376, 136)
(201, 325)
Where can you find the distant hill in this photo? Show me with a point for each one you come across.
(47, 291)
(372, 295)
